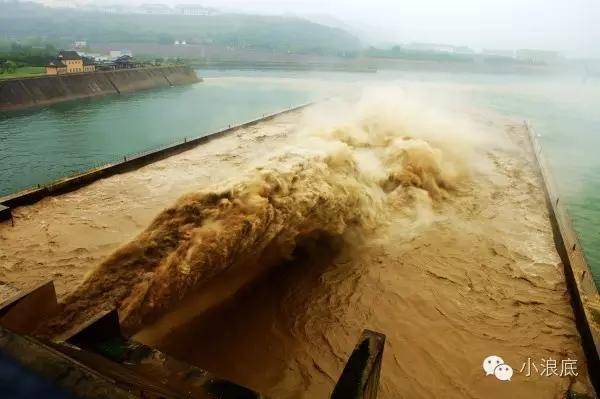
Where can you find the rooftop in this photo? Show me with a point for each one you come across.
(124, 58)
(56, 63)
(69, 55)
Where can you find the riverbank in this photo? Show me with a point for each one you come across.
(21, 93)
(430, 235)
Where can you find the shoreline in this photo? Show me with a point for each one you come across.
(38, 91)
(415, 284)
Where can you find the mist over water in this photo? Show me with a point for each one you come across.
(393, 210)
(563, 112)
(43, 145)
(349, 166)
(406, 205)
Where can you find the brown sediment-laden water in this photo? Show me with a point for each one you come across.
(379, 213)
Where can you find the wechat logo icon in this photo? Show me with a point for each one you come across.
(494, 365)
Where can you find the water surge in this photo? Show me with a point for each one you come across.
(340, 178)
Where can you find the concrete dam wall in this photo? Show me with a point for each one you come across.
(44, 90)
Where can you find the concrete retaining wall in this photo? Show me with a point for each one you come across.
(44, 90)
(584, 293)
(127, 81)
(180, 76)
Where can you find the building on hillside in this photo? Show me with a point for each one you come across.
(124, 62)
(88, 64)
(72, 60)
(114, 54)
(56, 67)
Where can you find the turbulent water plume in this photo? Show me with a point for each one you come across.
(351, 164)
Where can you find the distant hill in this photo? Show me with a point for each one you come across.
(275, 33)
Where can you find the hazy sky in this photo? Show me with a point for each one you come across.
(547, 24)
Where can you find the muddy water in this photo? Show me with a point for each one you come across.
(253, 337)
(383, 214)
(480, 278)
(64, 238)
(450, 279)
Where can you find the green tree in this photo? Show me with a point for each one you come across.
(8, 66)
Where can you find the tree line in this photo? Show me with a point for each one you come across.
(18, 55)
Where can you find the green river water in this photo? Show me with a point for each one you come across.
(38, 146)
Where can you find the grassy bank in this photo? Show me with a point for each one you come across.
(23, 72)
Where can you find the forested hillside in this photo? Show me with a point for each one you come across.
(276, 33)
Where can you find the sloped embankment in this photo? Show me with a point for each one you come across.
(44, 90)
